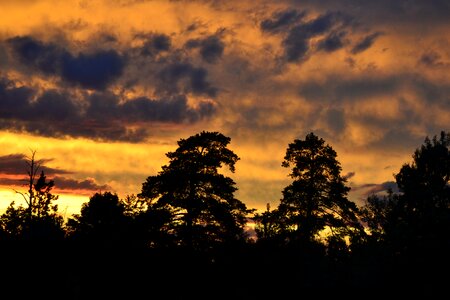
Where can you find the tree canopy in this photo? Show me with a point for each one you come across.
(187, 228)
(200, 198)
(317, 198)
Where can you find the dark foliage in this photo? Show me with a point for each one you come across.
(204, 211)
(183, 236)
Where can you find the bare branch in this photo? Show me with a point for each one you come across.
(23, 195)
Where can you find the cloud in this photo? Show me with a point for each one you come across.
(183, 77)
(155, 44)
(374, 188)
(99, 115)
(365, 43)
(37, 55)
(297, 42)
(340, 88)
(281, 20)
(211, 47)
(14, 168)
(95, 70)
(387, 12)
(88, 185)
(17, 164)
(332, 42)
(336, 120)
(349, 175)
(432, 59)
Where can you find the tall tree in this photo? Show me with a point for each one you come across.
(200, 198)
(317, 197)
(410, 231)
(423, 210)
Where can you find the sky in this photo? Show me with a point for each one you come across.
(102, 90)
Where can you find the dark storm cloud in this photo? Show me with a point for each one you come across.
(297, 42)
(211, 48)
(21, 104)
(37, 55)
(387, 12)
(107, 107)
(17, 164)
(365, 43)
(89, 70)
(281, 20)
(180, 77)
(332, 42)
(100, 115)
(94, 71)
(64, 183)
(156, 43)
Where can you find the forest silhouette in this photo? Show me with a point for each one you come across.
(183, 236)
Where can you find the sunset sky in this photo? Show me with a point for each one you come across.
(102, 90)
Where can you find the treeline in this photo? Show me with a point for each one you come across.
(183, 236)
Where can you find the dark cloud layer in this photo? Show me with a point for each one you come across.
(93, 71)
(365, 43)
(183, 77)
(333, 41)
(299, 33)
(100, 115)
(343, 89)
(70, 184)
(281, 20)
(211, 48)
(298, 41)
(16, 165)
(155, 44)
(386, 12)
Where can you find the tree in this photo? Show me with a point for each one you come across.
(13, 221)
(40, 219)
(102, 219)
(317, 197)
(149, 223)
(270, 225)
(201, 200)
(377, 214)
(423, 211)
(410, 235)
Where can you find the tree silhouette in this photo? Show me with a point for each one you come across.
(317, 197)
(149, 224)
(201, 200)
(13, 221)
(422, 215)
(270, 226)
(410, 235)
(377, 213)
(102, 220)
(40, 220)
